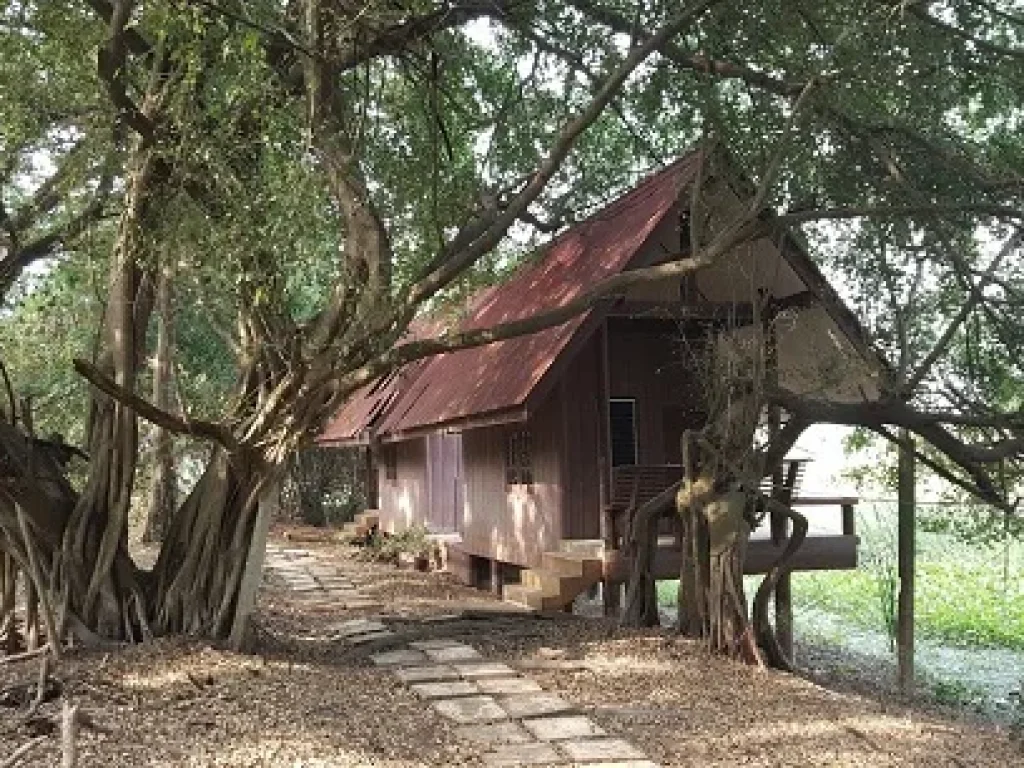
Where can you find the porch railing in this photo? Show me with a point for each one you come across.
(634, 485)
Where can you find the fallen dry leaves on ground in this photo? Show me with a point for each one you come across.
(307, 700)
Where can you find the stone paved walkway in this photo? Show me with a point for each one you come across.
(299, 570)
(494, 706)
(491, 704)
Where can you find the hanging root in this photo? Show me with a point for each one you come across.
(641, 609)
(763, 629)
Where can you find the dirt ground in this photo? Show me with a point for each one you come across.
(304, 699)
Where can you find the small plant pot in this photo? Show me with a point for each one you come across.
(421, 563)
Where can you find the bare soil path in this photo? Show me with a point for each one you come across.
(313, 696)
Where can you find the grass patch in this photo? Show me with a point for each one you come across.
(968, 595)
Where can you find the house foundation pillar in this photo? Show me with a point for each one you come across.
(497, 578)
(611, 595)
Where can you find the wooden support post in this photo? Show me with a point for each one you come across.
(781, 490)
(906, 545)
(611, 593)
(849, 526)
(497, 578)
(370, 468)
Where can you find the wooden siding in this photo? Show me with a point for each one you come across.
(583, 403)
(655, 367)
(403, 500)
(514, 524)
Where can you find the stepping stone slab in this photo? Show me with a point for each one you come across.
(621, 764)
(444, 690)
(537, 753)
(433, 673)
(470, 709)
(601, 749)
(403, 657)
(369, 637)
(449, 653)
(356, 627)
(492, 734)
(485, 669)
(430, 645)
(534, 704)
(566, 727)
(507, 685)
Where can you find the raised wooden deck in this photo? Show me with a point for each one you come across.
(561, 577)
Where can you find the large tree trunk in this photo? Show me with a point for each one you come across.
(163, 490)
(199, 572)
(727, 626)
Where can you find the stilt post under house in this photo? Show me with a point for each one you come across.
(781, 491)
(906, 547)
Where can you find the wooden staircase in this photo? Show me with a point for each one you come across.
(574, 568)
(362, 525)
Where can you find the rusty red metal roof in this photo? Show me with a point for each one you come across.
(491, 379)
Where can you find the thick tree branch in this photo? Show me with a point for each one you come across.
(974, 297)
(920, 10)
(493, 227)
(207, 430)
(877, 415)
(793, 218)
(111, 63)
(743, 230)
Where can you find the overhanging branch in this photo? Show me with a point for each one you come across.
(207, 430)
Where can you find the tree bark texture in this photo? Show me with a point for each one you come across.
(163, 490)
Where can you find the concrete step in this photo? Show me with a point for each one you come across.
(531, 598)
(590, 547)
(573, 565)
(551, 584)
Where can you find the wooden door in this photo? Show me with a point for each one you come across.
(444, 458)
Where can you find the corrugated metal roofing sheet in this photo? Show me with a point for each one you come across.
(500, 376)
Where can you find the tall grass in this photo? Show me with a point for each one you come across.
(966, 594)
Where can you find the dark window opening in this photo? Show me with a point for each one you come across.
(518, 459)
(622, 415)
(389, 458)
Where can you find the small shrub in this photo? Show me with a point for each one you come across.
(957, 693)
(389, 548)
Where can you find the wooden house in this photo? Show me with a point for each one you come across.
(529, 452)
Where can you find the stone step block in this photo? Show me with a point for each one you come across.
(507, 685)
(582, 750)
(433, 673)
(534, 704)
(436, 643)
(537, 753)
(493, 734)
(450, 689)
(475, 671)
(403, 657)
(450, 653)
(563, 727)
(470, 709)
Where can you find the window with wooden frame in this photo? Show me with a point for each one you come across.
(389, 458)
(518, 458)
